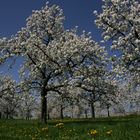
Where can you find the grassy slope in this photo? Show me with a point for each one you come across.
(123, 128)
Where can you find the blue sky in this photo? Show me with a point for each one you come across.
(13, 14)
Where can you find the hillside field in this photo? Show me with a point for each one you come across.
(116, 128)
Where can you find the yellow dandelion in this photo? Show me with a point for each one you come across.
(45, 129)
(93, 132)
(109, 132)
(59, 125)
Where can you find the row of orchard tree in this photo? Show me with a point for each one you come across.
(73, 67)
(72, 102)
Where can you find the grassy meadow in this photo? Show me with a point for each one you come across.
(116, 128)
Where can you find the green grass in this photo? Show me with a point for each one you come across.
(123, 128)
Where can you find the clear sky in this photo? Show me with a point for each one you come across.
(13, 14)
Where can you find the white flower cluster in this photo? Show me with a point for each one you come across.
(9, 99)
(120, 23)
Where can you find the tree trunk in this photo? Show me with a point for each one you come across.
(108, 112)
(43, 107)
(49, 116)
(7, 114)
(61, 112)
(11, 115)
(80, 110)
(72, 115)
(86, 115)
(92, 110)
